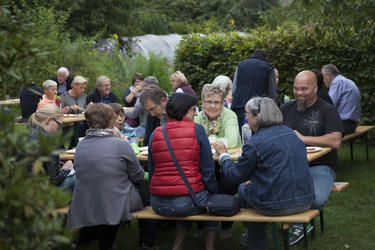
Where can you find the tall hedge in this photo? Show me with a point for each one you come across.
(291, 49)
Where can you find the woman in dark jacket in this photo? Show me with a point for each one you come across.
(47, 120)
(169, 195)
(273, 169)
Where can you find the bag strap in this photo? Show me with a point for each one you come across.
(183, 176)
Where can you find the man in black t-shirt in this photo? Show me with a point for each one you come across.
(316, 123)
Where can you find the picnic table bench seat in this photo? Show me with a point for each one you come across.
(360, 130)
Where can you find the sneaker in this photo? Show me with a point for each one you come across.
(244, 238)
(296, 232)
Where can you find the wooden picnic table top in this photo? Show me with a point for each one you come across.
(360, 130)
(234, 153)
(10, 102)
(72, 118)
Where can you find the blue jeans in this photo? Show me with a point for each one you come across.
(182, 206)
(323, 178)
(68, 183)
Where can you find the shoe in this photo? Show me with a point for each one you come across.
(244, 238)
(296, 232)
(226, 234)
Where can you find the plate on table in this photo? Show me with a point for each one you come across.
(313, 149)
(70, 151)
(73, 115)
(143, 148)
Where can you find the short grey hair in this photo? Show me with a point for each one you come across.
(330, 69)
(223, 81)
(151, 80)
(266, 109)
(101, 79)
(63, 70)
(210, 89)
(49, 83)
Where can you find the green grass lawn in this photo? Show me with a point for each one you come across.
(347, 215)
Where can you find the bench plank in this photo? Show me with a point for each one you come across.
(245, 215)
(359, 131)
(339, 186)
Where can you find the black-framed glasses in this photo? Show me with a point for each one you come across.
(58, 123)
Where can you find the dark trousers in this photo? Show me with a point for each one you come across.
(106, 235)
(147, 228)
(240, 112)
(349, 126)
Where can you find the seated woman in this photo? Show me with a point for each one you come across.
(49, 97)
(169, 195)
(217, 120)
(75, 99)
(226, 85)
(180, 84)
(273, 168)
(132, 93)
(120, 120)
(107, 171)
(47, 120)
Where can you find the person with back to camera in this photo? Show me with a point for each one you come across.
(47, 120)
(180, 84)
(272, 171)
(169, 195)
(108, 174)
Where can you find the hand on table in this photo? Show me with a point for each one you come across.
(219, 147)
(75, 108)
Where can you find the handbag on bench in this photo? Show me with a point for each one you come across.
(217, 204)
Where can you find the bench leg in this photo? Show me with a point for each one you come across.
(321, 221)
(366, 141)
(351, 149)
(305, 235)
(286, 238)
(313, 230)
(274, 236)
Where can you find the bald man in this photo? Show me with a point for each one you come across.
(316, 123)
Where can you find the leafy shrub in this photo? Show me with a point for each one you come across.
(290, 49)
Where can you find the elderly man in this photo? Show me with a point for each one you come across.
(154, 100)
(316, 123)
(254, 77)
(102, 93)
(345, 96)
(64, 81)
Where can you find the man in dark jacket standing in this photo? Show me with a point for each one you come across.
(254, 77)
(102, 93)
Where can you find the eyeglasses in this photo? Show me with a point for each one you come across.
(215, 103)
(58, 123)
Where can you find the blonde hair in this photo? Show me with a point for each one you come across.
(49, 83)
(211, 89)
(78, 80)
(42, 114)
(179, 76)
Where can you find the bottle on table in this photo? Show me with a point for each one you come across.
(246, 132)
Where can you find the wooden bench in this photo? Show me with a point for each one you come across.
(337, 187)
(361, 130)
(245, 215)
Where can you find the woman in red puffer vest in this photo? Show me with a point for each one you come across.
(169, 195)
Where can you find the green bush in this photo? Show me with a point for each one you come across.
(28, 219)
(290, 49)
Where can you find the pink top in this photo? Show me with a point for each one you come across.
(45, 101)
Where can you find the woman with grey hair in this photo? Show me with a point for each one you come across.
(272, 172)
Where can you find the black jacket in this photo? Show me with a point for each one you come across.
(94, 96)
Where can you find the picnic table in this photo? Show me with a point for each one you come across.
(234, 153)
(72, 118)
(10, 102)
